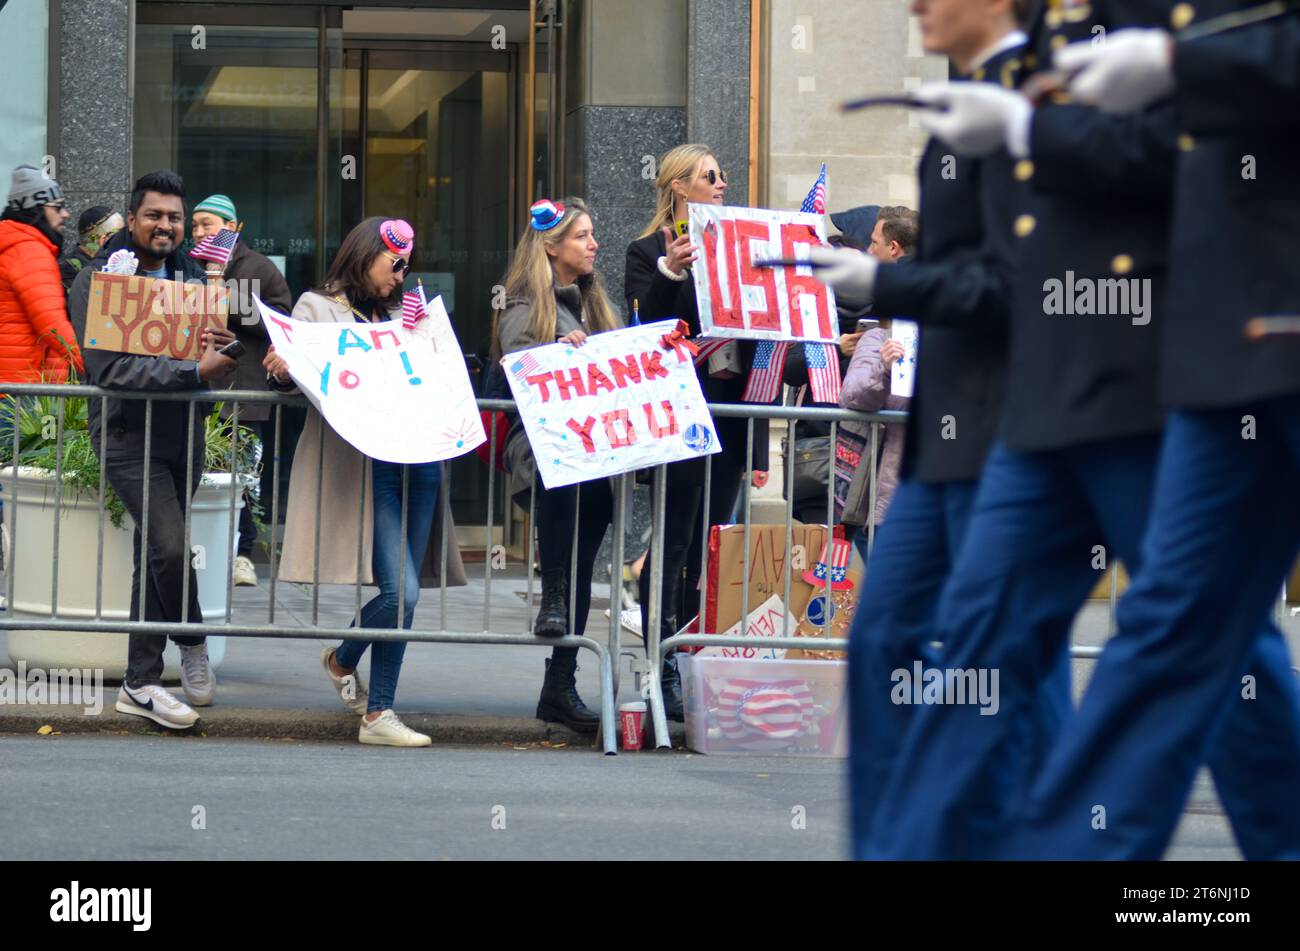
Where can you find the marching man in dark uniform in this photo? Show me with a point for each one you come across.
(1225, 523)
(1068, 484)
(959, 281)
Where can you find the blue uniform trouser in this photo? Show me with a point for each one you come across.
(1040, 527)
(914, 551)
(1191, 676)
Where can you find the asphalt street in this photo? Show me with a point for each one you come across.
(109, 797)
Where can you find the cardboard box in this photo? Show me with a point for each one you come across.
(765, 707)
(768, 565)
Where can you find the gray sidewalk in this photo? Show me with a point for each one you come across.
(271, 687)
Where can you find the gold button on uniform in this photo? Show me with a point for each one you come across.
(1182, 15)
(1186, 143)
(978, 75)
(1024, 170)
(1057, 41)
(1031, 61)
(1024, 225)
(1121, 264)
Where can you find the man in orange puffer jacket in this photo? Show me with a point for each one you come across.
(37, 343)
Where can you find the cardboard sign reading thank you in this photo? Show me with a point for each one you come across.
(151, 317)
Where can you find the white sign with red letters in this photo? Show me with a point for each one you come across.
(737, 299)
(625, 400)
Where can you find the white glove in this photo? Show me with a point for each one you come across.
(122, 261)
(846, 269)
(1125, 72)
(977, 118)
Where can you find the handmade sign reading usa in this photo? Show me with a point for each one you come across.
(624, 400)
(151, 317)
(738, 299)
(396, 394)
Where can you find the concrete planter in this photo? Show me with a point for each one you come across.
(32, 562)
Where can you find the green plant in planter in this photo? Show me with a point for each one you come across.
(36, 420)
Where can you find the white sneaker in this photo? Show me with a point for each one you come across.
(244, 573)
(154, 703)
(354, 696)
(197, 678)
(387, 730)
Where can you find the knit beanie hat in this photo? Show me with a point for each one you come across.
(219, 205)
(30, 189)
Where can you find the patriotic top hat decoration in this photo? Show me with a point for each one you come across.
(834, 561)
(398, 236)
(545, 214)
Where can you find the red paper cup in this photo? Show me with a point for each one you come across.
(631, 718)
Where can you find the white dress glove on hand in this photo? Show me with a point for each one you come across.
(122, 261)
(846, 269)
(1126, 72)
(977, 118)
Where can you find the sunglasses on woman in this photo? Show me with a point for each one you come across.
(400, 265)
(713, 176)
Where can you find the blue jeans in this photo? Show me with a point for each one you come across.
(389, 549)
(1171, 690)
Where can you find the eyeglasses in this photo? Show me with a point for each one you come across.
(400, 265)
(60, 205)
(714, 176)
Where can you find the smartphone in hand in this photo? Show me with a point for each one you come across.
(234, 350)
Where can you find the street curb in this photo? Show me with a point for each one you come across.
(300, 725)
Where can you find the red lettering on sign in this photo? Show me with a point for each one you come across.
(583, 430)
(611, 420)
(669, 428)
(762, 277)
(376, 334)
(568, 383)
(725, 313)
(597, 381)
(153, 336)
(652, 365)
(540, 380)
(185, 334)
(798, 285)
(625, 370)
(349, 380)
(286, 327)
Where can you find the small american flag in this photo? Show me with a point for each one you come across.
(765, 376)
(707, 347)
(525, 366)
(413, 308)
(216, 247)
(823, 371)
(816, 200)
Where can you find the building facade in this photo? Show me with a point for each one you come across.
(456, 114)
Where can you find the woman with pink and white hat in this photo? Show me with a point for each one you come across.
(359, 501)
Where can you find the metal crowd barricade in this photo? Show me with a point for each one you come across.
(609, 655)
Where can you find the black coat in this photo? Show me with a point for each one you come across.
(958, 288)
(1098, 210)
(1236, 239)
(659, 298)
(247, 265)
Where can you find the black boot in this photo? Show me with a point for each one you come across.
(559, 702)
(670, 682)
(551, 617)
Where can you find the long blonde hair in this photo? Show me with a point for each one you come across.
(675, 165)
(531, 278)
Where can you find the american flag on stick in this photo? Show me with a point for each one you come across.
(707, 347)
(414, 307)
(823, 371)
(216, 247)
(816, 200)
(765, 376)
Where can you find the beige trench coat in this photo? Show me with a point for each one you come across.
(347, 484)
